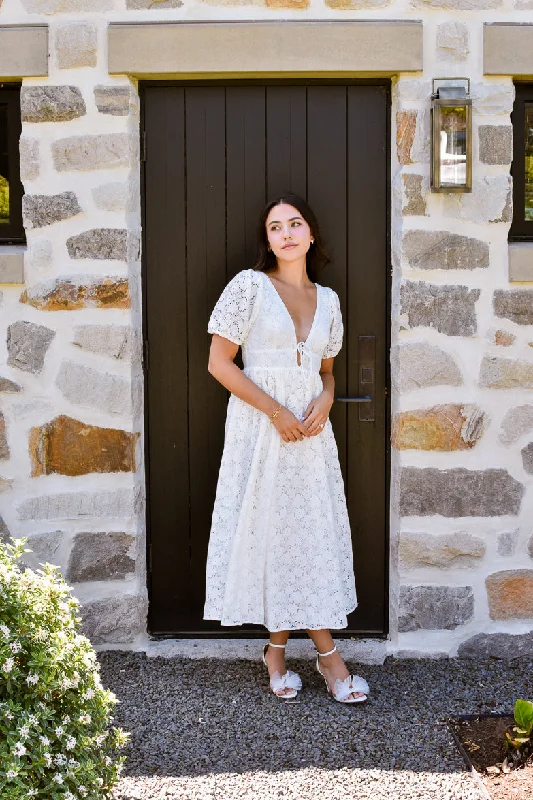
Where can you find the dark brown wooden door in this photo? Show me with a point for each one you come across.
(214, 154)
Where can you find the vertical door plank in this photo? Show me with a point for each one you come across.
(366, 299)
(206, 276)
(326, 182)
(246, 157)
(166, 329)
(286, 127)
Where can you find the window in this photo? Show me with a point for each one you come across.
(11, 228)
(522, 166)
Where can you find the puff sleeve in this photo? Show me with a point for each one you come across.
(233, 314)
(337, 329)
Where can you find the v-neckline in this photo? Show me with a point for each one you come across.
(289, 314)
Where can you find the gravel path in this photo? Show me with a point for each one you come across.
(207, 729)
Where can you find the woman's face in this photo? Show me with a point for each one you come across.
(288, 234)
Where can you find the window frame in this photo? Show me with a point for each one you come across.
(13, 232)
(520, 230)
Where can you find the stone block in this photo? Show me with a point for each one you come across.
(459, 492)
(405, 135)
(416, 204)
(66, 446)
(506, 542)
(39, 210)
(90, 388)
(497, 645)
(489, 201)
(422, 364)
(81, 291)
(99, 243)
(457, 5)
(495, 144)
(29, 159)
(113, 99)
(114, 619)
(5, 535)
(357, 5)
(117, 503)
(51, 103)
(500, 337)
(92, 151)
(527, 458)
(153, 4)
(7, 385)
(452, 42)
(113, 196)
(101, 557)
(445, 551)
(39, 254)
(76, 45)
(505, 373)
(490, 98)
(452, 426)
(66, 6)
(44, 547)
(27, 345)
(510, 594)
(444, 250)
(434, 607)
(114, 341)
(4, 446)
(448, 309)
(514, 304)
(6, 484)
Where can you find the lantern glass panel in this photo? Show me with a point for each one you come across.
(528, 211)
(453, 145)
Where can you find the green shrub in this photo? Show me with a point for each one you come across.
(522, 739)
(56, 740)
(4, 200)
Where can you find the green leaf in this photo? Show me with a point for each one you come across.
(523, 714)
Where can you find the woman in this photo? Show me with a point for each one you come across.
(280, 551)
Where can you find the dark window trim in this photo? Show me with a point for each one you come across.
(13, 232)
(521, 230)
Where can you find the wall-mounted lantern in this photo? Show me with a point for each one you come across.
(451, 137)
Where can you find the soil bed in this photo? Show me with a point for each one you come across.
(483, 740)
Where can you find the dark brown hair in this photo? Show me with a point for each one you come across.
(316, 258)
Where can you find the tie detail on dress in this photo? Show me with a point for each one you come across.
(306, 351)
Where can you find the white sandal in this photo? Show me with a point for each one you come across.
(278, 682)
(344, 688)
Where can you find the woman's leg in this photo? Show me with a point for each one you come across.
(275, 656)
(332, 666)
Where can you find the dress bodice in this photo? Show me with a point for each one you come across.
(250, 312)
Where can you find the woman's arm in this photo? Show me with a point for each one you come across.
(226, 372)
(318, 409)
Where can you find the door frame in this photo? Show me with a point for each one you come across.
(242, 81)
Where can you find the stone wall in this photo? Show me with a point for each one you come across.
(71, 424)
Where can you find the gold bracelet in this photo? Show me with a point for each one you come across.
(275, 413)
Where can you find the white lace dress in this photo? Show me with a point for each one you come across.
(280, 550)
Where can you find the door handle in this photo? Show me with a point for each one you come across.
(354, 399)
(366, 379)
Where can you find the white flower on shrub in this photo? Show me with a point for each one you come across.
(8, 664)
(32, 719)
(32, 792)
(24, 732)
(59, 731)
(44, 740)
(88, 694)
(60, 759)
(84, 719)
(19, 749)
(70, 743)
(15, 647)
(32, 679)
(11, 773)
(58, 778)
(48, 758)
(4, 630)
(82, 790)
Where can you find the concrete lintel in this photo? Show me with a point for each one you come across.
(242, 48)
(521, 261)
(23, 51)
(12, 264)
(508, 49)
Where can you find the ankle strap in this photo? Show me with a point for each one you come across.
(271, 644)
(328, 653)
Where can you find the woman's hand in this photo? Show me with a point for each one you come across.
(289, 426)
(317, 412)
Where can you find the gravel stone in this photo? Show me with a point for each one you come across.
(204, 729)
